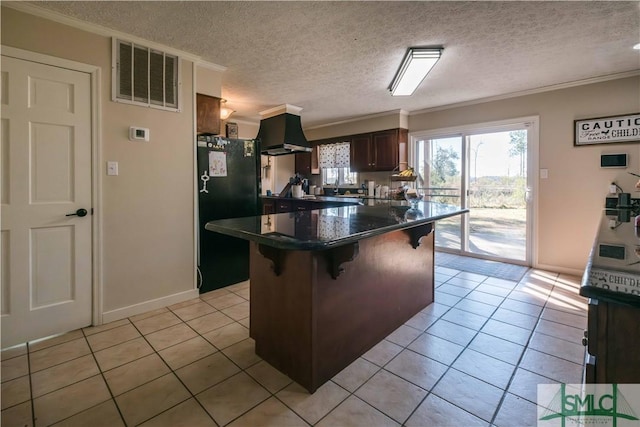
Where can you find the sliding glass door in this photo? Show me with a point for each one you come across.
(497, 194)
(487, 170)
(439, 168)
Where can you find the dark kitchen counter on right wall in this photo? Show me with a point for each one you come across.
(611, 281)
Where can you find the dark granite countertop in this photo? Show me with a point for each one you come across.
(613, 270)
(319, 199)
(327, 228)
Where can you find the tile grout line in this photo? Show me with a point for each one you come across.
(101, 371)
(171, 371)
(449, 366)
(79, 381)
(219, 350)
(32, 401)
(528, 348)
(192, 396)
(513, 374)
(103, 379)
(349, 393)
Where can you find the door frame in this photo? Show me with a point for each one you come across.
(96, 160)
(533, 133)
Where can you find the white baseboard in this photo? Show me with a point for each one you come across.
(561, 270)
(143, 307)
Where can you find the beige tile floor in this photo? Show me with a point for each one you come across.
(472, 358)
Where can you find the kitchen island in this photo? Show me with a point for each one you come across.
(611, 281)
(329, 284)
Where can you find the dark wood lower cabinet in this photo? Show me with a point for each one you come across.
(268, 207)
(613, 341)
(275, 205)
(284, 206)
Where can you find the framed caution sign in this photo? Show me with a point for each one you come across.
(607, 130)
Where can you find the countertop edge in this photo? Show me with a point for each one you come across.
(589, 291)
(319, 246)
(317, 199)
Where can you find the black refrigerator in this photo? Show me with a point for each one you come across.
(228, 182)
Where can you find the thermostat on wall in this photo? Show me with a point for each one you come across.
(138, 134)
(613, 160)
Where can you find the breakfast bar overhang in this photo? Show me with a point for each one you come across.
(327, 285)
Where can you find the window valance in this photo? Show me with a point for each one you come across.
(334, 155)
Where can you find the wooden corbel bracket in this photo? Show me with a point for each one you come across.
(275, 255)
(338, 256)
(417, 233)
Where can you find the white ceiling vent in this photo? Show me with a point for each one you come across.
(145, 76)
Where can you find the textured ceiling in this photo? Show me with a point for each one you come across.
(336, 59)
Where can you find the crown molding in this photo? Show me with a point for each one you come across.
(107, 32)
(360, 118)
(209, 65)
(543, 89)
(243, 121)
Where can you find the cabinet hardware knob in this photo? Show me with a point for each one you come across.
(585, 342)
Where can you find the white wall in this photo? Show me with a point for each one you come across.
(208, 82)
(572, 198)
(148, 209)
(148, 220)
(283, 169)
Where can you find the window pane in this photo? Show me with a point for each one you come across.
(156, 78)
(330, 176)
(141, 74)
(171, 81)
(124, 71)
(350, 178)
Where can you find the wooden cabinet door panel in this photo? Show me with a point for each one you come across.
(283, 206)
(268, 207)
(303, 164)
(315, 168)
(360, 148)
(385, 150)
(208, 114)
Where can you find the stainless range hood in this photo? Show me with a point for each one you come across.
(281, 131)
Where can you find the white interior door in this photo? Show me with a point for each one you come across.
(46, 175)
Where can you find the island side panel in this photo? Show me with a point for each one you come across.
(281, 312)
(311, 326)
(387, 284)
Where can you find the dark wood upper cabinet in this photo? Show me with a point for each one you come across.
(315, 167)
(378, 151)
(303, 164)
(361, 153)
(208, 114)
(381, 151)
(385, 150)
(307, 163)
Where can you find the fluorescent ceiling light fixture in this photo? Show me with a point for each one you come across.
(415, 66)
(637, 46)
